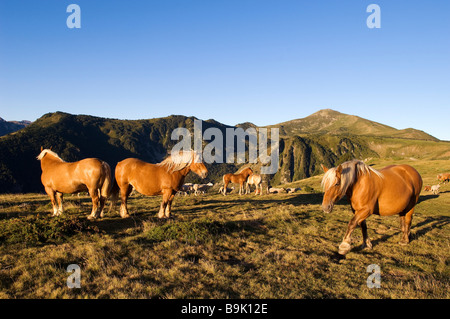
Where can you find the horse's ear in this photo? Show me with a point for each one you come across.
(325, 169)
(42, 148)
(339, 171)
(51, 148)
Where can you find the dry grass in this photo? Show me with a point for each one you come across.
(271, 246)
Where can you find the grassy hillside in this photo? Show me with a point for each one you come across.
(336, 123)
(270, 246)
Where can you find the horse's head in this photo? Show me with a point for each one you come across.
(197, 165)
(331, 184)
(247, 172)
(199, 169)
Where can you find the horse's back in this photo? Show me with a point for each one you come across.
(72, 177)
(406, 174)
(400, 189)
(146, 178)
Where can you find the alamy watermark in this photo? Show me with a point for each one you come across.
(74, 280)
(374, 280)
(213, 152)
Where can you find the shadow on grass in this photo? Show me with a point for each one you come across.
(261, 201)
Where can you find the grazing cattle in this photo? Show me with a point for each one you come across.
(90, 174)
(165, 178)
(229, 190)
(274, 190)
(427, 188)
(239, 178)
(186, 189)
(292, 190)
(201, 188)
(393, 190)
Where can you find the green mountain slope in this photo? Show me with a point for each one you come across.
(336, 123)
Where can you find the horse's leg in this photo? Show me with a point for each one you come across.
(102, 206)
(225, 186)
(169, 206)
(95, 201)
(125, 191)
(405, 223)
(165, 201)
(51, 193)
(366, 240)
(59, 198)
(357, 219)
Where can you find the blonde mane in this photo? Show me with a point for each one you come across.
(47, 151)
(177, 161)
(351, 171)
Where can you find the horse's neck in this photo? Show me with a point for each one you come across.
(49, 160)
(183, 172)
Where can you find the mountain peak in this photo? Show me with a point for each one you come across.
(326, 112)
(331, 122)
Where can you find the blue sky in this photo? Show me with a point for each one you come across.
(232, 60)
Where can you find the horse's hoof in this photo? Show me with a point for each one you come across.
(403, 243)
(344, 248)
(366, 245)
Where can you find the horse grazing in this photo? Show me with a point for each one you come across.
(435, 189)
(393, 190)
(445, 177)
(165, 178)
(239, 178)
(256, 180)
(90, 174)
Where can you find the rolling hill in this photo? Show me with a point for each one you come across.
(327, 137)
(332, 122)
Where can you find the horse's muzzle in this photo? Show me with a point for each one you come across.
(328, 208)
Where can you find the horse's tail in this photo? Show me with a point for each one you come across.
(114, 195)
(110, 189)
(105, 190)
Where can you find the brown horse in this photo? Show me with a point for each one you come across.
(393, 190)
(60, 177)
(164, 178)
(239, 178)
(445, 177)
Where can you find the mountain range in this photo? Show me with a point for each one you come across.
(7, 127)
(325, 137)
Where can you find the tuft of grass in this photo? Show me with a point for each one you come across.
(35, 229)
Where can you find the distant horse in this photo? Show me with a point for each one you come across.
(445, 177)
(165, 178)
(435, 189)
(239, 178)
(393, 190)
(90, 174)
(256, 180)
